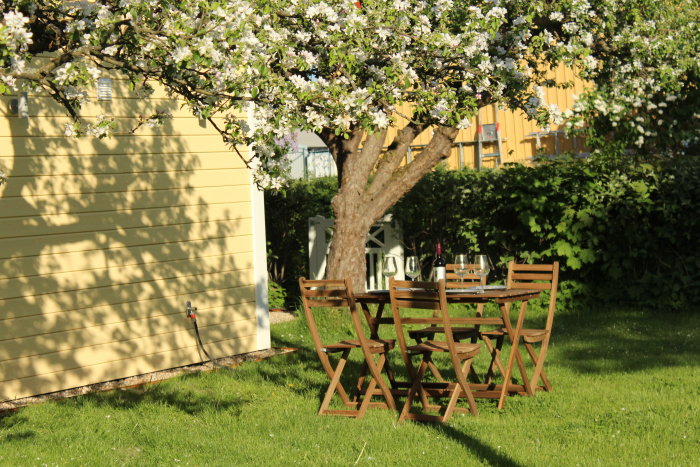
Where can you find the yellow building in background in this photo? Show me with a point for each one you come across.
(102, 241)
(521, 139)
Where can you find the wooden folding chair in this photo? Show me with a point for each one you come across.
(430, 296)
(529, 276)
(453, 281)
(329, 294)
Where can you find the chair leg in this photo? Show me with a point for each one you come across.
(462, 386)
(434, 370)
(495, 358)
(336, 386)
(428, 361)
(381, 366)
(367, 398)
(331, 372)
(454, 397)
(465, 386)
(415, 389)
(523, 373)
(431, 366)
(539, 368)
(473, 376)
(360, 381)
(390, 374)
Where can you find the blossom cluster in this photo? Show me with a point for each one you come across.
(646, 77)
(320, 65)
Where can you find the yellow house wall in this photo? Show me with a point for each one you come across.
(102, 242)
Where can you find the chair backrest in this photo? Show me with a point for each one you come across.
(539, 277)
(416, 295)
(470, 280)
(328, 294)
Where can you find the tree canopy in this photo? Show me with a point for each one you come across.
(306, 64)
(646, 93)
(367, 77)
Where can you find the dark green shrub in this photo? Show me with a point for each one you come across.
(276, 294)
(287, 214)
(623, 231)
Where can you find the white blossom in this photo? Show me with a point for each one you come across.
(180, 54)
(380, 119)
(111, 50)
(556, 16)
(464, 123)
(362, 65)
(15, 30)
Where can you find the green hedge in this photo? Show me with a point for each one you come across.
(287, 214)
(623, 231)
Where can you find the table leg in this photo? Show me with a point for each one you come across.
(373, 321)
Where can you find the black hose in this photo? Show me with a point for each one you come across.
(190, 310)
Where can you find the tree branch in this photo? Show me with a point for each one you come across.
(394, 156)
(404, 178)
(366, 159)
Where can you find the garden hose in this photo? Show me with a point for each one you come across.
(190, 311)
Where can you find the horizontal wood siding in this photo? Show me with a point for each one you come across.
(103, 240)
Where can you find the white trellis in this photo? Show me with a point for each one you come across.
(384, 239)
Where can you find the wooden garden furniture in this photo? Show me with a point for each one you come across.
(322, 296)
(504, 298)
(454, 281)
(529, 276)
(430, 297)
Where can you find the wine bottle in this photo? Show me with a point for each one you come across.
(439, 264)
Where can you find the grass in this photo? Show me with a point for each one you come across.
(626, 393)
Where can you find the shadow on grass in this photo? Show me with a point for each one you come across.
(305, 365)
(11, 420)
(625, 340)
(168, 394)
(481, 450)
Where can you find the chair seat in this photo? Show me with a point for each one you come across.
(533, 335)
(528, 335)
(430, 331)
(374, 345)
(464, 350)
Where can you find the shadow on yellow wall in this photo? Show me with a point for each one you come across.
(102, 241)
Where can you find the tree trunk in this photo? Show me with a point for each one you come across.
(347, 255)
(371, 180)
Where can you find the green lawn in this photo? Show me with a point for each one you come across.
(626, 393)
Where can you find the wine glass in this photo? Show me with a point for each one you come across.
(461, 266)
(412, 268)
(482, 266)
(389, 267)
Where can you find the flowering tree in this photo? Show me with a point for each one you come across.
(647, 75)
(367, 78)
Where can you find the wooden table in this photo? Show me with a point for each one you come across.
(504, 298)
